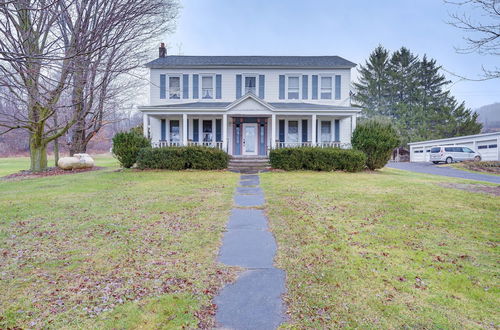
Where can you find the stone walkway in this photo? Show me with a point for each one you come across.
(254, 300)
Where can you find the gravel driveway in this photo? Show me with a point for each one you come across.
(430, 168)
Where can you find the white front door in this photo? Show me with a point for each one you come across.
(250, 145)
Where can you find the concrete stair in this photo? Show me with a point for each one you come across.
(249, 164)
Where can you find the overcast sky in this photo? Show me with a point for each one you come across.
(350, 29)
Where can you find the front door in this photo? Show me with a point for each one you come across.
(250, 145)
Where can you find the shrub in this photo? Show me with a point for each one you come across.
(376, 139)
(180, 158)
(317, 159)
(126, 146)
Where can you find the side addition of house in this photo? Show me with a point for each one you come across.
(246, 105)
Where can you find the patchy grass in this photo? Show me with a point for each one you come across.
(389, 249)
(112, 249)
(11, 165)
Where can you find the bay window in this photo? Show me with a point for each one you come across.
(293, 87)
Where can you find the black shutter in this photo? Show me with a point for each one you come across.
(196, 130)
(282, 130)
(304, 130)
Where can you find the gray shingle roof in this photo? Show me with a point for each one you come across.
(277, 105)
(173, 61)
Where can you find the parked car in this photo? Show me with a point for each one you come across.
(450, 154)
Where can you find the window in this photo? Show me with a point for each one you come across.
(465, 149)
(326, 131)
(449, 149)
(293, 131)
(174, 87)
(492, 146)
(207, 87)
(207, 131)
(482, 147)
(250, 85)
(326, 88)
(175, 131)
(435, 150)
(293, 88)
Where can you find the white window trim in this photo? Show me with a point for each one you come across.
(200, 85)
(254, 75)
(320, 87)
(167, 83)
(296, 75)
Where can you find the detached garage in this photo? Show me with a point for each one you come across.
(486, 144)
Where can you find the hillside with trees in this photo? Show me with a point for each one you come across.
(489, 116)
(412, 93)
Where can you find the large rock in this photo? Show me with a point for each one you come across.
(76, 162)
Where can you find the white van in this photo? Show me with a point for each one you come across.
(450, 154)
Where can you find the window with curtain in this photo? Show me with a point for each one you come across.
(175, 131)
(326, 88)
(326, 131)
(174, 87)
(251, 85)
(293, 131)
(207, 131)
(207, 87)
(293, 88)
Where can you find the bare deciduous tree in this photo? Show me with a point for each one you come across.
(483, 29)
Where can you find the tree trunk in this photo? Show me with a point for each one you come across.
(38, 154)
(78, 143)
(56, 152)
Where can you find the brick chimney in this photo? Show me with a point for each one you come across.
(162, 50)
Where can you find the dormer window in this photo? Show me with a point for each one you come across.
(293, 87)
(174, 87)
(207, 87)
(326, 88)
(250, 85)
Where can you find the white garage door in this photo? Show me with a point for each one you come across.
(417, 155)
(488, 149)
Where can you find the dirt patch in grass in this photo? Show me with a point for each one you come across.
(492, 167)
(478, 188)
(51, 171)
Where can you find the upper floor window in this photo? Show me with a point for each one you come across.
(250, 85)
(326, 88)
(174, 87)
(293, 87)
(207, 87)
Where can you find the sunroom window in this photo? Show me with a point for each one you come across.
(174, 87)
(293, 88)
(207, 87)
(250, 85)
(326, 88)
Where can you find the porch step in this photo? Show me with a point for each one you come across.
(249, 164)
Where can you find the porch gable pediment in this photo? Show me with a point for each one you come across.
(249, 104)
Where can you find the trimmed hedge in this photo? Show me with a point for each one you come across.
(181, 158)
(126, 146)
(317, 159)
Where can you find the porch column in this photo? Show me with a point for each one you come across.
(224, 132)
(273, 131)
(145, 124)
(313, 129)
(184, 129)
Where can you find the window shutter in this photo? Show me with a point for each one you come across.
(238, 86)
(196, 130)
(282, 87)
(163, 130)
(282, 130)
(304, 130)
(262, 86)
(185, 86)
(337, 129)
(195, 86)
(337, 87)
(163, 86)
(305, 86)
(218, 86)
(314, 87)
(218, 130)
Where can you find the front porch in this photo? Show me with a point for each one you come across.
(244, 135)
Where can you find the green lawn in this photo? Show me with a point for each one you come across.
(109, 249)
(15, 164)
(385, 250)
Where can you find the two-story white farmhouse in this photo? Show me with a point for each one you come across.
(247, 105)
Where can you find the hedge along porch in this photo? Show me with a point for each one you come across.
(249, 126)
